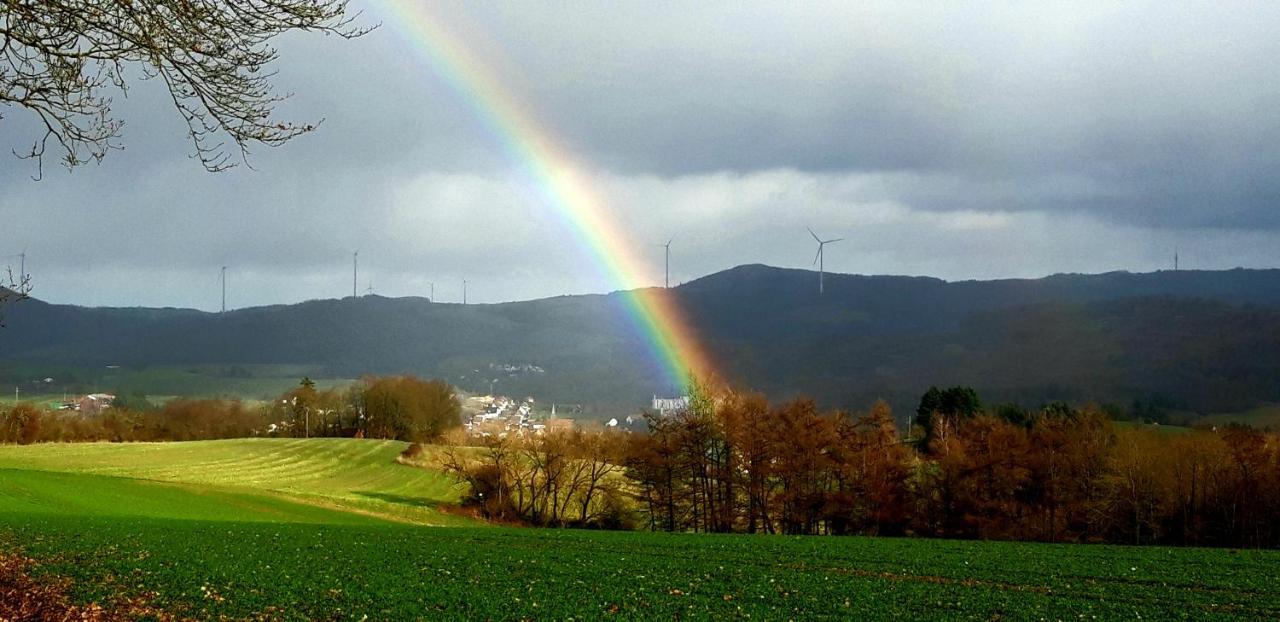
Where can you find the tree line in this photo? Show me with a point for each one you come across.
(736, 463)
(557, 479)
(388, 407)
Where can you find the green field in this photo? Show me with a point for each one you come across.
(352, 475)
(1153, 427)
(1262, 417)
(301, 530)
(42, 400)
(248, 382)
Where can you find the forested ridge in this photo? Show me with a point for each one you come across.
(1188, 341)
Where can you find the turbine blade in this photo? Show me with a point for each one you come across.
(816, 257)
(835, 240)
(815, 236)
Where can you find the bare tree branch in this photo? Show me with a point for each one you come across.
(13, 289)
(60, 59)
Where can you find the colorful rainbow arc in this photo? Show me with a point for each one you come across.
(549, 167)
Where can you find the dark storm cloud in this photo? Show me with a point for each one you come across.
(938, 138)
(1165, 115)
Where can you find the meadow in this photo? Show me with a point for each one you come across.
(159, 383)
(322, 529)
(351, 475)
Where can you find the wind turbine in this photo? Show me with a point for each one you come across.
(818, 259)
(666, 278)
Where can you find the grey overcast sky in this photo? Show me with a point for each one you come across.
(947, 139)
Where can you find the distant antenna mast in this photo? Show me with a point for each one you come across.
(819, 259)
(355, 272)
(666, 279)
(22, 272)
(224, 289)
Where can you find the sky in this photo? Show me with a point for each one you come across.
(942, 139)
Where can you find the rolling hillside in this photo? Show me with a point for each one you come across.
(258, 476)
(280, 530)
(1195, 341)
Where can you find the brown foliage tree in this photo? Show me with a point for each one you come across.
(407, 408)
(22, 424)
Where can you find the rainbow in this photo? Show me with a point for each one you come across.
(561, 187)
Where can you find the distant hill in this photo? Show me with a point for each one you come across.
(1202, 341)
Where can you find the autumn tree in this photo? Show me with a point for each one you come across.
(597, 461)
(551, 479)
(749, 422)
(734, 462)
(803, 450)
(1068, 460)
(408, 408)
(873, 465)
(995, 476)
(1136, 480)
(654, 462)
(1197, 463)
(1248, 468)
(22, 424)
(204, 419)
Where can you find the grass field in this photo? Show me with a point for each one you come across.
(44, 400)
(346, 474)
(1153, 427)
(249, 382)
(268, 529)
(1262, 417)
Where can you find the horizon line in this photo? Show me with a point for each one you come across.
(682, 284)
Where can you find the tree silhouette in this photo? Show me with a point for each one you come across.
(62, 60)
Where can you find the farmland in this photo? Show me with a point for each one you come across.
(248, 382)
(352, 475)
(294, 530)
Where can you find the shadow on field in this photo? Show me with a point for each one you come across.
(420, 502)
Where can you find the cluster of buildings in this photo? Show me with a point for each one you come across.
(665, 405)
(503, 416)
(508, 368)
(91, 404)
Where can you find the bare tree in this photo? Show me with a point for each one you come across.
(598, 459)
(12, 289)
(62, 59)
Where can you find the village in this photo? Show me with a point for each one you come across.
(482, 415)
(502, 416)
